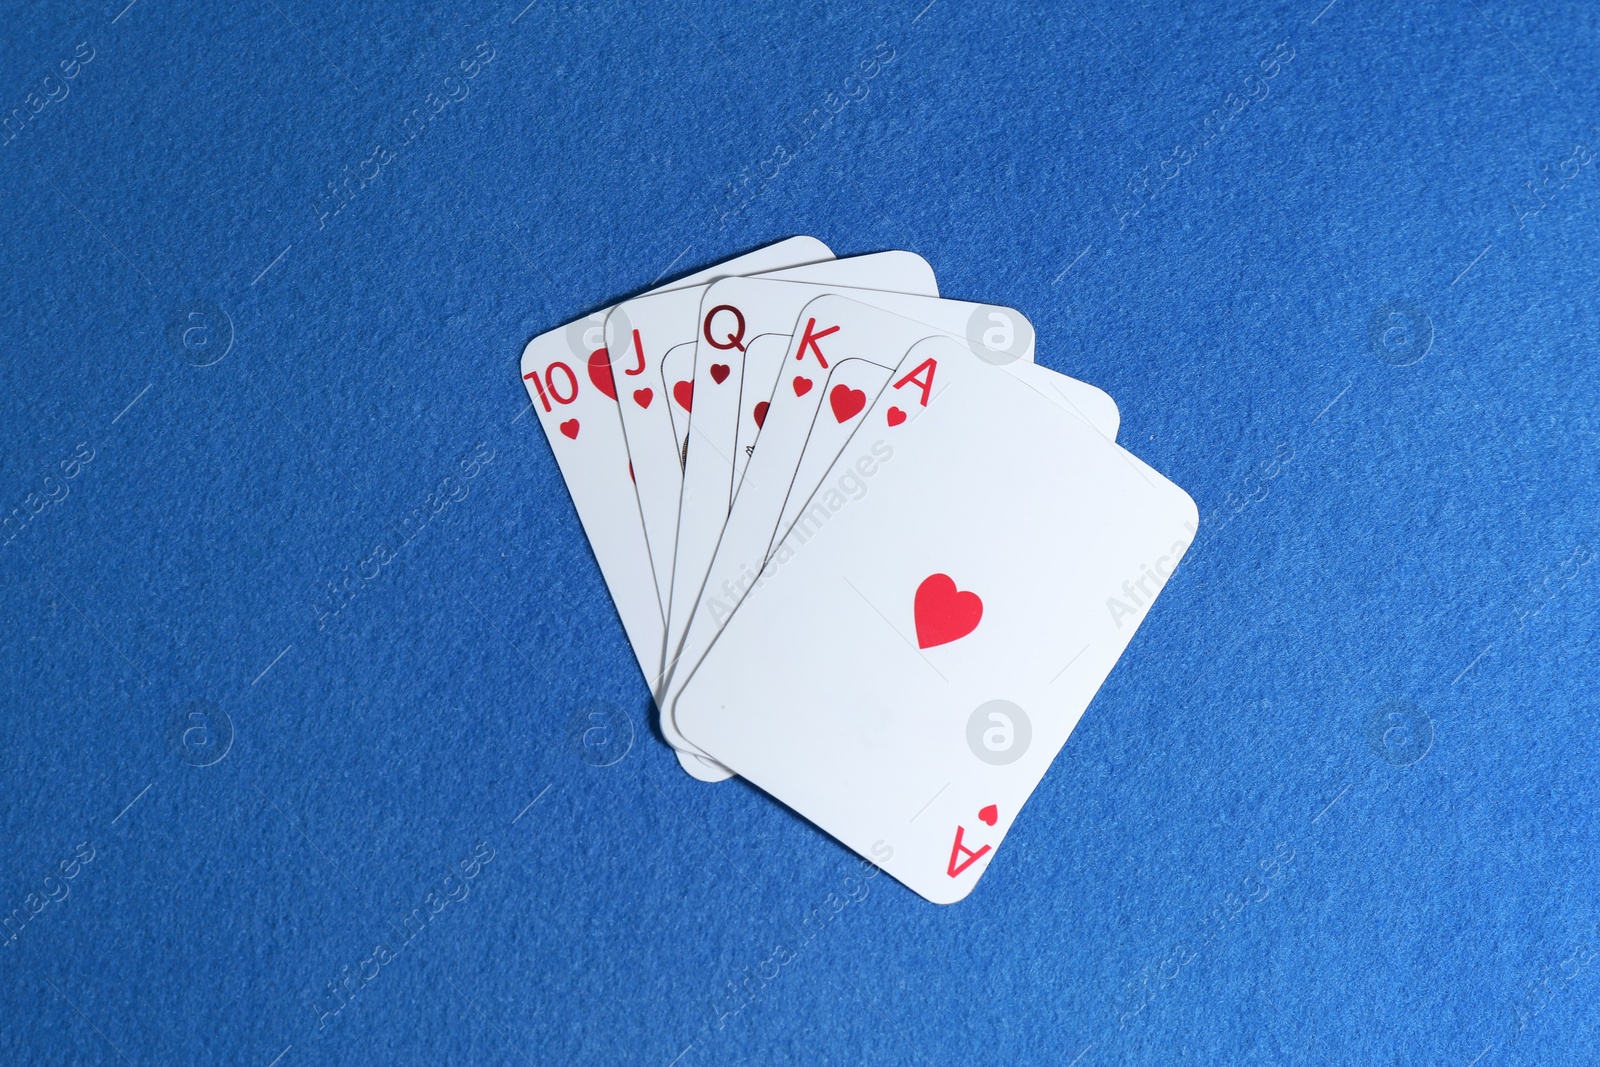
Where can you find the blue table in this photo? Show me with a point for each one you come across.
(302, 635)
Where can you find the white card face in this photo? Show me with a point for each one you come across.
(640, 333)
(796, 405)
(920, 647)
(566, 373)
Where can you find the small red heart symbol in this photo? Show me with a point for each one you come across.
(642, 397)
(896, 416)
(761, 413)
(683, 393)
(600, 372)
(944, 613)
(802, 386)
(846, 401)
(719, 372)
(990, 815)
(570, 428)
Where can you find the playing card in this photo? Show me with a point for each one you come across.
(921, 645)
(845, 331)
(573, 393)
(639, 333)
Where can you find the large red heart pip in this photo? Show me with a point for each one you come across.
(600, 372)
(943, 613)
(846, 401)
(683, 393)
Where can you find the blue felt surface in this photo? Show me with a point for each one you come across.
(1238, 858)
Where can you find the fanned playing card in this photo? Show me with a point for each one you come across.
(919, 647)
